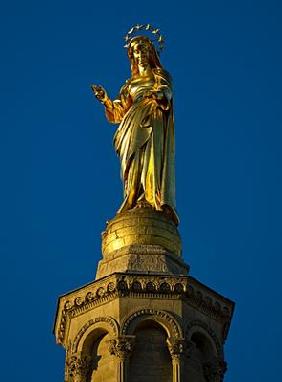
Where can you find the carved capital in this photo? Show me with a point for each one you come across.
(176, 348)
(77, 368)
(122, 347)
(214, 370)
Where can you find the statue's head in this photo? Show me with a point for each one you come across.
(142, 52)
(141, 49)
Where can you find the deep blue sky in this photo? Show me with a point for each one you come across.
(60, 175)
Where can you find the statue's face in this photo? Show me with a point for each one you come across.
(141, 53)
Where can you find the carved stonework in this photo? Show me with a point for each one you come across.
(176, 348)
(160, 316)
(214, 370)
(77, 368)
(121, 347)
(142, 286)
(98, 320)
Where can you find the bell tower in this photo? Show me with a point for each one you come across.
(144, 318)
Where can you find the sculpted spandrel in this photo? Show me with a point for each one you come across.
(144, 140)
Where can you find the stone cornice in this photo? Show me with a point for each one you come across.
(117, 285)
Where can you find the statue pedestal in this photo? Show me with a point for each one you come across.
(141, 240)
(143, 318)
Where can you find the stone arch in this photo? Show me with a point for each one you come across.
(151, 357)
(164, 318)
(91, 330)
(200, 328)
(204, 359)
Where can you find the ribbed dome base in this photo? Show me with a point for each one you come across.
(141, 240)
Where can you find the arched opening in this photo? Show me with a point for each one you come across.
(200, 352)
(100, 359)
(102, 366)
(203, 347)
(150, 360)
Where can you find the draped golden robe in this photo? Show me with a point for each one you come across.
(144, 141)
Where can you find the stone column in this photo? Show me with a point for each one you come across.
(77, 368)
(122, 348)
(176, 349)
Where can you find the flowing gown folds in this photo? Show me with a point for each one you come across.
(144, 140)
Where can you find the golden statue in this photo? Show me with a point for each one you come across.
(144, 140)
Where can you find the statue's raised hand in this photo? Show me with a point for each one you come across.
(99, 92)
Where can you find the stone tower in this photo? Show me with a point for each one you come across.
(144, 318)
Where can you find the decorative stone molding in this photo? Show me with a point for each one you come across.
(176, 348)
(77, 368)
(155, 284)
(205, 302)
(143, 286)
(122, 347)
(208, 330)
(164, 318)
(214, 370)
(111, 323)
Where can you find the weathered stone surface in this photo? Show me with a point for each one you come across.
(150, 361)
(143, 319)
(141, 258)
(141, 240)
(103, 319)
(141, 226)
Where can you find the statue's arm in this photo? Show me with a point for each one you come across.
(115, 110)
(101, 95)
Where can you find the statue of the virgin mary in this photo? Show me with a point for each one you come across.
(144, 140)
